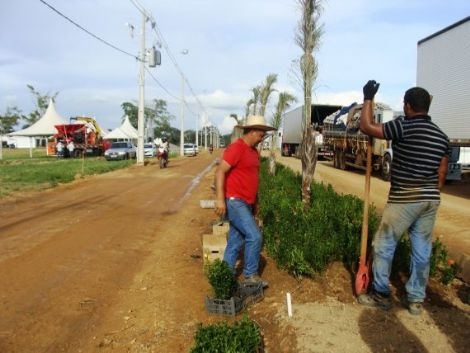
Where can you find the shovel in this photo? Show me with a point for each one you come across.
(363, 273)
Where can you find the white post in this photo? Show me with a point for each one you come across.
(140, 116)
(182, 117)
(184, 52)
(197, 134)
(289, 304)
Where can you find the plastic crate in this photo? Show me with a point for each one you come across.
(246, 294)
(230, 306)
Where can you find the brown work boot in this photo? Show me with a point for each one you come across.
(376, 300)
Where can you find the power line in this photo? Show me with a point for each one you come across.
(158, 33)
(87, 31)
(141, 8)
(161, 85)
(105, 42)
(175, 63)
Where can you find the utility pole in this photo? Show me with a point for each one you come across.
(154, 59)
(184, 52)
(182, 117)
(140, 116)
(197, 134)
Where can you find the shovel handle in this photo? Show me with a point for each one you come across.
(365, 215)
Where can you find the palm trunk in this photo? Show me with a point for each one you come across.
(309, 162)
(272, 162)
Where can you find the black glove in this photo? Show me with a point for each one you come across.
(370, 89)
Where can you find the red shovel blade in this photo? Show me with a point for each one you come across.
(362, 279)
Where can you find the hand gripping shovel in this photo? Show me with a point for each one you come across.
(362, 276)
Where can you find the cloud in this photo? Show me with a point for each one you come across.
(232, 46)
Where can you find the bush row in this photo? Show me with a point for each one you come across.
(306, 242)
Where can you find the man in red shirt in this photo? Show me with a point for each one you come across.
(237, 180)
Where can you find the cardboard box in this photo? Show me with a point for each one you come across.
(221, 228)
(213, 247)
(207, 203)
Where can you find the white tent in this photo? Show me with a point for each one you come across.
(43, 128)
(124, 132)
(45, 125)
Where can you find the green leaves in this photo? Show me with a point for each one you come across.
(306, 242)
(442, 266)
(243, 337)
(221, 279)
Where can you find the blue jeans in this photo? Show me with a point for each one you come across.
(243, 232)
(418, 218)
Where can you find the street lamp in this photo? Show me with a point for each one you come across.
(184, 52)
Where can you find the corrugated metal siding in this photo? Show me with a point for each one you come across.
(443, 68)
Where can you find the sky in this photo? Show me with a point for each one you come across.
(213, 52)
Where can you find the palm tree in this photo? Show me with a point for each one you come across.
(284, 102)
(265, 91)
(307, 38)
(248, 106)
(255, 100)
(235, 117)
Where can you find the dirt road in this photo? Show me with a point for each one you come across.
(113, 263)
(67, 253)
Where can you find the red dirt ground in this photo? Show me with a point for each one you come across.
(113, 263)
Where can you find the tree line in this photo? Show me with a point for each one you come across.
(155, 115)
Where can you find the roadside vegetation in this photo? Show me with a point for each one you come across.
(243, 336)
(22, 173)
(305, 241)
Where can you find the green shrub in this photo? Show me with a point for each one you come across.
(305, 242)
(221, 278)
(441, 266)
(244, 336)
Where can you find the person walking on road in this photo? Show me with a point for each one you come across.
(419, 168)
(237, 180)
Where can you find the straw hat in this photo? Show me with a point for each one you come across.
(256, 122)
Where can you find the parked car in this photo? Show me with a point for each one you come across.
(120, 150)
(5, 144)
(189, 149)
(150, 150)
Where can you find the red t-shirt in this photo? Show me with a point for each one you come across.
(243, 178)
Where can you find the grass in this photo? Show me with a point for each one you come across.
(19, 172)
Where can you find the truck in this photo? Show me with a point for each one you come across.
(85, 133)
(292, 129)
(443, 69)
(341, 135)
